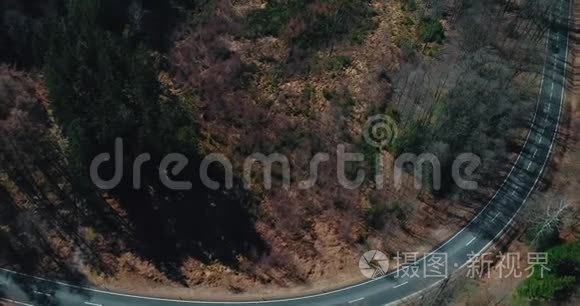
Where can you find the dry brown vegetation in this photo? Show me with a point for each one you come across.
(289, 90)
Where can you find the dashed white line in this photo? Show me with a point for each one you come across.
(42, 293)
(95, 304)
(15, 302)
(354, 301)
(161, 299)
(495, 217)
(401, 285)
(535, 152)
(529, 165)
(471, 241)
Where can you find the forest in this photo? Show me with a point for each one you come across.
(294, 77)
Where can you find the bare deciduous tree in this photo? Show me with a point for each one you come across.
(546, 227)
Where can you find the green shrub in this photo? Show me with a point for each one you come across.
(270, 20)
(348, 102)
(347, 17)
(307, 92)
(560, 277)
(413, 139)
(375, 216)
(328, 94)
(407, 21)
(352, 18)
(365, 28)
(399, 212)
(394, 113)
(408, 48)
(409, 5)
(548, 288)
(339, 62)
(431, 30)
(247, 75)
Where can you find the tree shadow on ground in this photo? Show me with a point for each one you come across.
(30, 252)
(170, 226)
(164, 227)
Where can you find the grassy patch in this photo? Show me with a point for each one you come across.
(307, 93)
(366, 27)
(339, 62)
(347, 103)
(431, 30)
(270, 20)
(409, 5)
(352, 17)
(339, 19)
(328, 94)
(273, 77)
(407, 21)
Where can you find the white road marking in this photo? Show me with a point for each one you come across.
(15, 302)
(471, 241)
(354, 301)
(94, 304)
(376, 279)
(535, 151)
(538, 104)
(549, 105)
(42, 293)
(529, 165)
(401, 285)
(495, 217)
(537, 178)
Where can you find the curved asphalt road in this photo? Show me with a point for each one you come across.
(474, 238)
